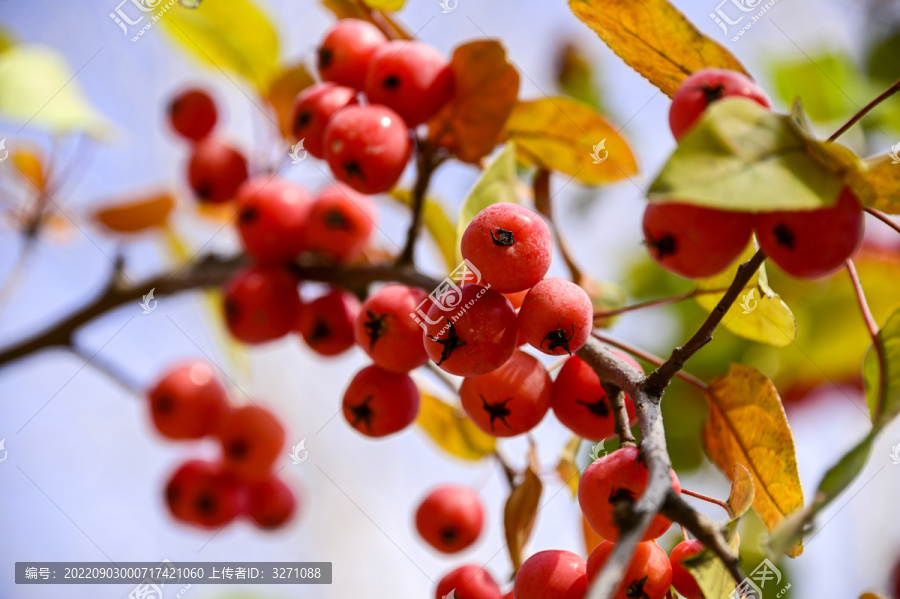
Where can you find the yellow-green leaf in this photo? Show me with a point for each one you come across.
(137, 214)
(883, 383)
(712, 577)
(521, 510)
(570, 137)
(452, 430)
(286, 84)
(747, 426)
(742, 491)
(392, 5)
(437, 223)
(654, 38)
(879, 186)
(566, 468)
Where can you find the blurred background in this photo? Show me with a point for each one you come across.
(84, 473)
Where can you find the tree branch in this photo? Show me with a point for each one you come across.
(617, 400)
(426, 163)
(865, 110)
(708, 532)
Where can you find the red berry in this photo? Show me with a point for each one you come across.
(192, 114)
(556, 317)
(510, 400)
(272, 504)
(379, 403)
(809, 244)
(695, 242)
(468, 582)
(474, 331)
(188, 401)
(510, 246)
(450, 518)
(327, 322)
(552, 574)
(649, 574)
(516, 298)
(313, 108)
(619, 476)
(580, 402)
(682, 580)
(205, 495)
(251, 439)
(340, 222)
(346, 51)
(385, 328)
(261, 304)
(367, 147)
(183, 485)
(702, 89)
(272, 218)
(410, 77)
(216, 170)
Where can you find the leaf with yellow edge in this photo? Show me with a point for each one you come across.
(747, 426)
(879, 185)
(136, 215)
(286, 84)
(655, 39)
(437, 223)
(521, 510)
(452, 430)
(566, 468)
(560, 134)
(742, 491)
(392, 5)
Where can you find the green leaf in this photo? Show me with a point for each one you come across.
(575, 75)
(712, 577)
(392, 5)
(822, 83)
(436, 222)
(883, 385)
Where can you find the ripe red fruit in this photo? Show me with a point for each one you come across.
(379, 403)
(367, 147)
(326, 323)
(705, 87)
(510, 400)
(251, 439)
(192, 114)
(182, 486)
(552, 574)
(188, 401)
(261, 304)
(619, 476)
(468, 582)
(450, 518)
(216, 170)
(474, 331)
(201, 493)
(695, 242)
(272, 504)
(649, 574)
(272, 218)
(340, 222)
(313, 109)
(682, 580)
(385, 328)
(556, 317)
(346, 51)
(410, 77)
(808, 244)
(580, 402)
(510, 246)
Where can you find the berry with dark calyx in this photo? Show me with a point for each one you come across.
(216, 170)
(556, 317)
(272, 218)
(188, 401)
(450, 518)
(683, 581)
(510, 246)
(619, 476)
(272, 504)
(192, 114)
(552, 574)
(327, 322)
(251, 439)
(580, 402)
(367, 147)
(809, 244)
(649, 574)
(705, 87)
(468, 582)
(340, 222)
(183, 485)
(205, 495)
(346, 51)
(313, 109)
(378, 403)
(386, 330)
(474, 331)
(695, 242)
(410, 77)
(510, 400)
(261, 304)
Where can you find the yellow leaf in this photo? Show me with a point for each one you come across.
(438, 224)
(286, 84)
(561, 134)
(452, 430)
(486, 87)
(747, 426)
(136, 215)
(30, 164)
(566, 468)
(392, 5)
(346, 9)
(521, 511)
(879, 185)
(654, 38)
(742, 491)
(714, 580)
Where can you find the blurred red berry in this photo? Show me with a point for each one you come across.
(251, 439)
(216, 170)
(703, 88)
(188, 401)
(272, 218)
(450, 518)
(340, 222)
(272, 504)
(313, 109)
(327, 322)
(261, 304)
(552, 574)
(386, 330)
(468, 582)
(346, 51)
(378, 403)
(192, 114)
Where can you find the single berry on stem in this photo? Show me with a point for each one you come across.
(378, 403)
(215, 170)
(313, 109)
(251, 439)
(205, 495)
(387, 331)
(341, 222)
(556, 317)
(272, 504)
(188, 401)
(326, 323)
(345, 52)
(272, 218)
(261, 304)
(450, 518)
(192, 114)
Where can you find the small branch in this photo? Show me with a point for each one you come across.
(441, 376)
(865, 110)
(872, 326)
(657, 302)
(617, 401)
(722, 504)
(649, 357)
(426, 163)
(508, 471)
(544, 204)
(883, 218)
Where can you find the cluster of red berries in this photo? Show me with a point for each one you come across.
(699, 242)
(405, 83)
(188, 402)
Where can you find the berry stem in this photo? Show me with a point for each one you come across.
(616, 398)
(872, 326)
(543, 202)
(883, 218)
(508, 471)
(865, 110)
(709, 499)
(442, 377)
(657, 302)
(652, 358)
(426, 163)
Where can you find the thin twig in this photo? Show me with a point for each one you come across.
(722, 504)
(708, 532)
(508, 470)
(544, 204)
(865, 110)
(883, 218)
(872, 326)
(650, 357)
(616, 398)
(426, 163)
(656, 302)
